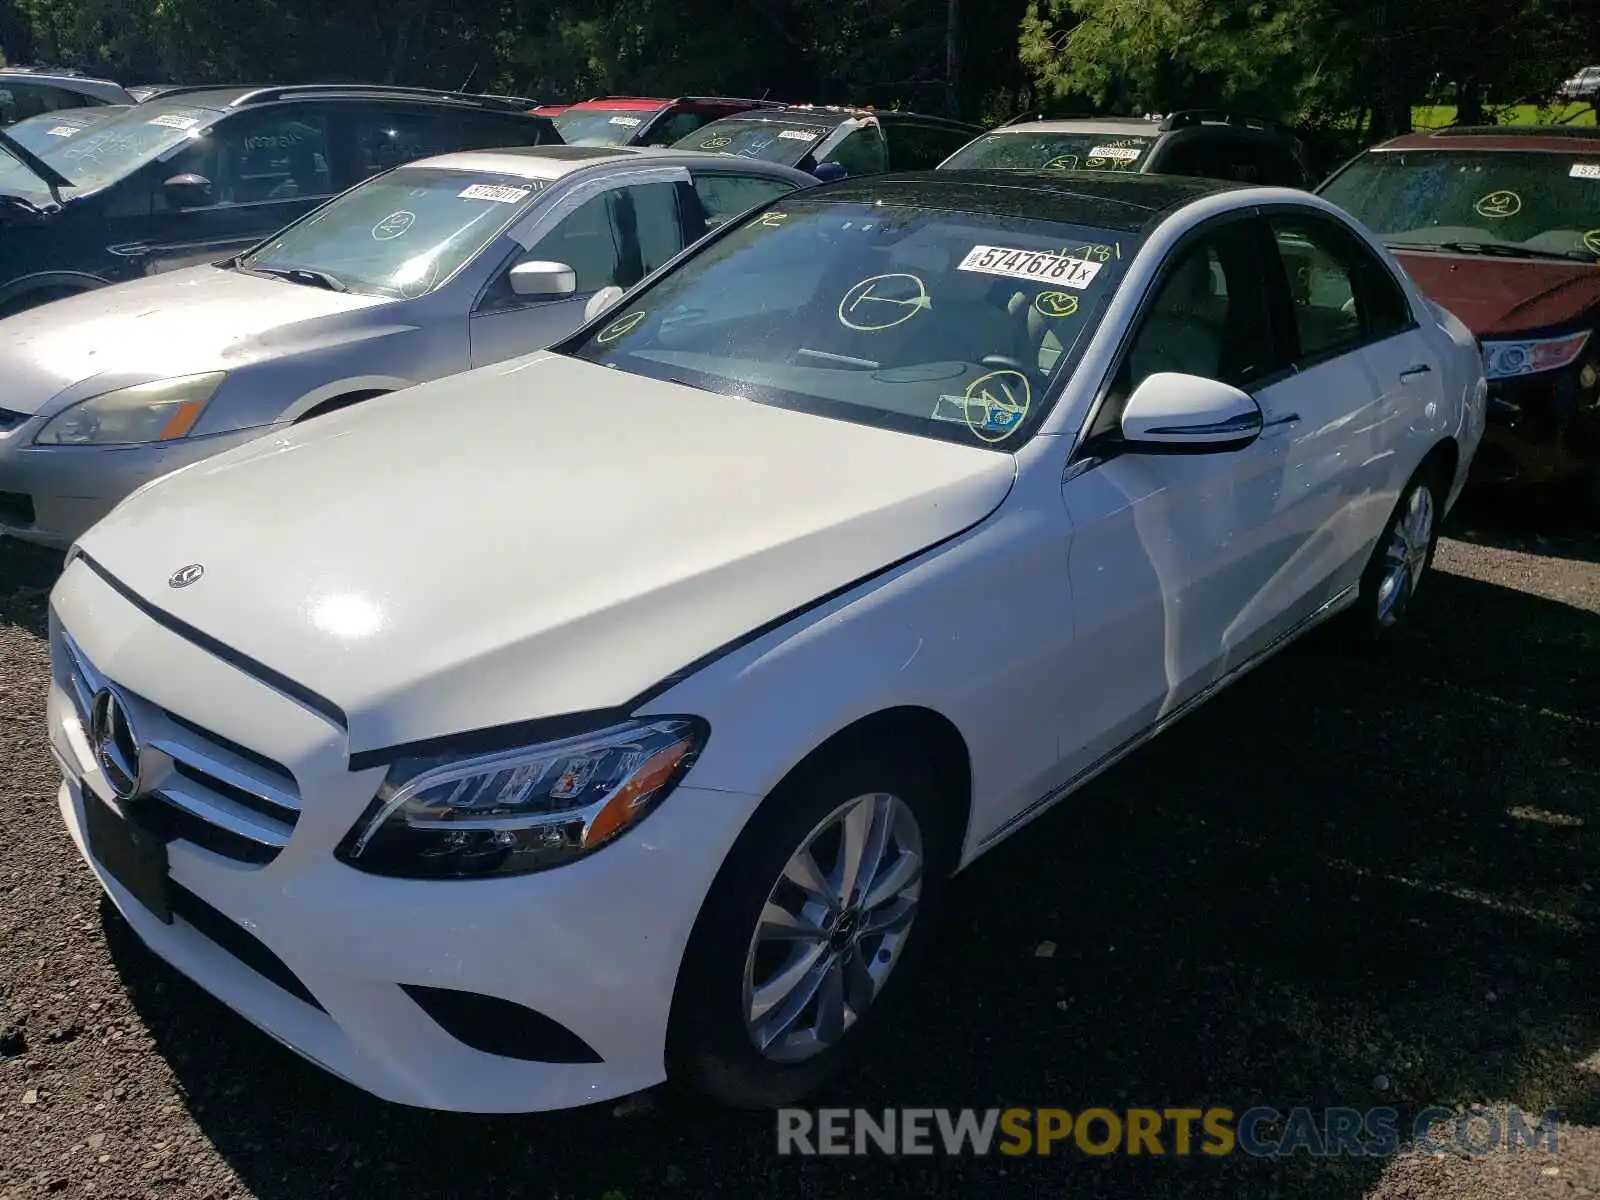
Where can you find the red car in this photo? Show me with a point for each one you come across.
(1501, 225)
(642, 121)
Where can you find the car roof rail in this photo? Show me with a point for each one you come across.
(1580, 132)
(264, 95)
(1189, 118)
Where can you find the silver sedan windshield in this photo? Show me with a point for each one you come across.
(402, 234)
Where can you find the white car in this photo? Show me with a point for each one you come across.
(620, 711)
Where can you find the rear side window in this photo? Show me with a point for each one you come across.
(861, 153)
(917, 147)
(486, 131)
(387, 137)
(18, 101)
(724, 197)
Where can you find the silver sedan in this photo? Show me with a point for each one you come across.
(435, 267)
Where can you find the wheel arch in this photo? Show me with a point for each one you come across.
(343, 400)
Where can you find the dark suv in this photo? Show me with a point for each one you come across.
(197, 174)
(1198, 142)
(834, 142)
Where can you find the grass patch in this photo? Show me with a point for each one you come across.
(1436, 116)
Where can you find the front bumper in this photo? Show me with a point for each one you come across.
(52, 494)
(1542, 429)
(594, 946)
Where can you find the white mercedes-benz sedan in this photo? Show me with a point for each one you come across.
(619, 712)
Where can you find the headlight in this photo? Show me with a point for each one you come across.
(149, 412)
(521, 810)
(1504, 359)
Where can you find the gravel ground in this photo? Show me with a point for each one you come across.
(1349, 881)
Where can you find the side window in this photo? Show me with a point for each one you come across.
(678, 125)
(724, 197)
(276, 154)
(861, 153)
(486, 131)
(1194, 155)
(1284, 168)
(1210, 316)
(1342, 295)
(19, 101)
(381, 138)
(617, 237)
(914, 147)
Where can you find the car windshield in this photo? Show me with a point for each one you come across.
(48, 130)
(1522, 203)
(402, 234)
(1040, 150)
(601, 126)
(778, 141)
(946, 324)
(111, 149)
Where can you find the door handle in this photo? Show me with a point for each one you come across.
(1415, 372)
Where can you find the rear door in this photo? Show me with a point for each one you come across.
(612, 232)
(267, 167)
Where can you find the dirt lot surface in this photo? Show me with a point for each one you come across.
(1351, 881)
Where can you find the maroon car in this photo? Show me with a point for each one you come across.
(1501, 225)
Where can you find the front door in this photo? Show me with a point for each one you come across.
(266, 169)
(611, 236)
(1176, 558)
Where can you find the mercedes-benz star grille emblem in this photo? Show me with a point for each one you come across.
(116, 746)
(184, 576)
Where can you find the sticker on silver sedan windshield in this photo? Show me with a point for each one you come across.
(499, 193)
(62, 130)
(174, 121)
(800, 135)
(630, 122)
(1579, 170)
(1123, 153)
(1040, 266)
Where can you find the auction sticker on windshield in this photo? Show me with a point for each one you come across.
(630, 122)
(174, 121)
(499, 193)
(1125, 153)
(799, 135)
(62, 130)
(1579, 170)
(1037, 265)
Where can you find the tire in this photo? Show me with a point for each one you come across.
(711, 1041)
(1401, 558)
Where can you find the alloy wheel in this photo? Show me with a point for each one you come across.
(833, 927)
(1405, 558)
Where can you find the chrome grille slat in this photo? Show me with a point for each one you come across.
(234, 818)
(206, 768)
(213, 764)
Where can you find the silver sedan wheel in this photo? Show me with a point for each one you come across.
(833, 927)
(1406, 556)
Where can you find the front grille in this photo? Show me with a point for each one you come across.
(219, 795)
(16, 508)
(10, 420)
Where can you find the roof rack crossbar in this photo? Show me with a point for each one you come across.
(1188, 118)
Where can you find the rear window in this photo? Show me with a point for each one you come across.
(1507, 202)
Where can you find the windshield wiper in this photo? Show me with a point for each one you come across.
(48, 175)
(306, 275)
(1492, 250)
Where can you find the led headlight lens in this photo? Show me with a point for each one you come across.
(149, 412)
(521, 810)
(1501, 360)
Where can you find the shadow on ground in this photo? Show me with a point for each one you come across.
(27, 573)
(1351, 880)
(1548, 523)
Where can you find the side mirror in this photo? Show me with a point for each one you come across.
(1170, 413)
(600, 301)
(187, 191)
(544, 280)
(830, 172)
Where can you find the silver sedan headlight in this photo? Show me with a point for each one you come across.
(147, 412)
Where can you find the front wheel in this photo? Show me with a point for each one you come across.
(809, 931)
(1401, 558)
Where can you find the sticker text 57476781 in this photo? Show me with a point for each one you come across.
(1040, 266)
